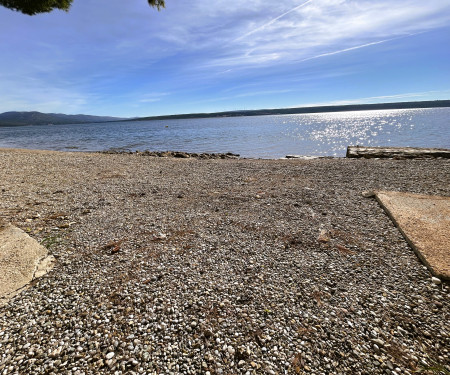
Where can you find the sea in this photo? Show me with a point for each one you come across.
(266, 137)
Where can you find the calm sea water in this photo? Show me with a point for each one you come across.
(324, 134)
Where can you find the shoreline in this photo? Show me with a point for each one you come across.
(169, 154)
(226, 266)
(356, 152)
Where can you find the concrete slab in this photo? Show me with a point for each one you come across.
(397, 152)
(21, 260)
(424, 221)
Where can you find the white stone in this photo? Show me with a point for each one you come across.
(110, 355)
(436, 281)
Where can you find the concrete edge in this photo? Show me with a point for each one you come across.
(42, 266)
(408, 240)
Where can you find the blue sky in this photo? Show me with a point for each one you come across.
(123, 58)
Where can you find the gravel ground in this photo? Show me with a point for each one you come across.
(188, 266)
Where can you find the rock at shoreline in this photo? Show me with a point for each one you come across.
(303, 157)
(175, 154)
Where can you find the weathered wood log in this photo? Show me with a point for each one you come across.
(397, 152)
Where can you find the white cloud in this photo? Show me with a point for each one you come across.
(153, 97)
(152, 100)
(312, 29)
(48, 100)
(244, 95)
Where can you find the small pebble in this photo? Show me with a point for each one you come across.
(436, 280)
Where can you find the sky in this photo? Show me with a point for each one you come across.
(126, 59)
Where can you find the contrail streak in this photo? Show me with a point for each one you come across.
(347, 49)
(358, 47)
(272, 21)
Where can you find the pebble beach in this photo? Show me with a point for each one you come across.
(168, 265)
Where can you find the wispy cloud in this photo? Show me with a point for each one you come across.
(313, 28)
(255, 93)
(52, 99)
(150, 100)
(272, 21)
(153, 97)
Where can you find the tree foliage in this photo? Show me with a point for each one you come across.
(32, 7)
(157, 3)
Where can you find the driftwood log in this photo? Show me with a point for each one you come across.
(396, 152)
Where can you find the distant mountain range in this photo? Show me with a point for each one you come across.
(38, 118)
(297, 110)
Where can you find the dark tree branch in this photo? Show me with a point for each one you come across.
(32, 7)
